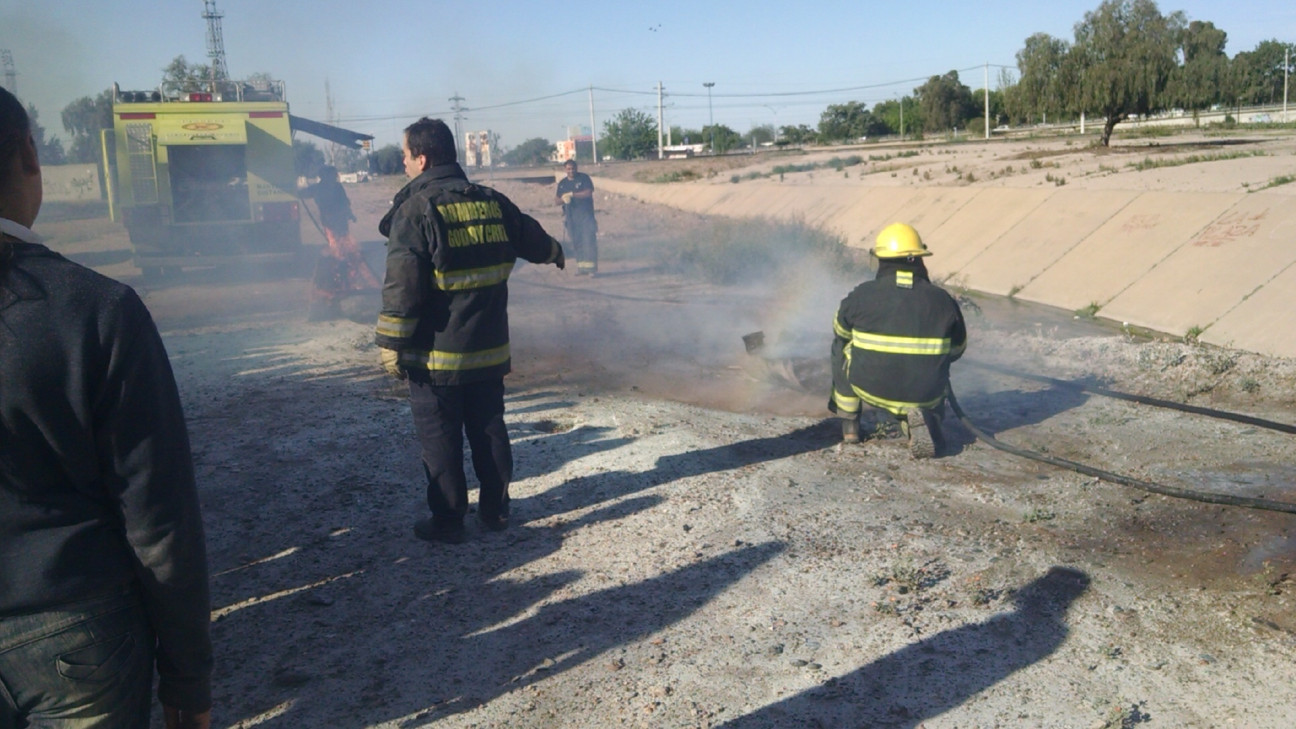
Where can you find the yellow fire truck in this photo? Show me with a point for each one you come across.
(207, 178)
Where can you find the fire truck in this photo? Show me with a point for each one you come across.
(208, 178)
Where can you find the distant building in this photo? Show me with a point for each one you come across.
(477, 149)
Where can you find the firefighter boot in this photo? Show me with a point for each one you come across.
(850, 429)
(923, 430)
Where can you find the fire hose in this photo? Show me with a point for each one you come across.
(1247, 502)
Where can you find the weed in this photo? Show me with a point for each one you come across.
(1089, 311)
(1012, 292)
(1193, 335)
(1217, 363)
(1150, 164)
(1249, 385)
(1275, 182)
(1036, 164)
(982, 596)
(1037, 515)
(1060, 181)
(971, 177)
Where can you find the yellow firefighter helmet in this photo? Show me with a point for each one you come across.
(898, 240)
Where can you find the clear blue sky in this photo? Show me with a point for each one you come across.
(389, 61)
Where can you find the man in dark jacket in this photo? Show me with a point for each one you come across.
(103, 571)
(895, 337)
(444, 323)
(341, 268)
(575, 193)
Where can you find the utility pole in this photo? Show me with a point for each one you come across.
(987, 100)
(659, 120)
(902, 118)
(1286, 66)
(710, 113)
(593, 129)
(215, 43)
(458, 119)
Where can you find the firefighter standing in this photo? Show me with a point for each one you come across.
(444, 323)
(895, 339)
(576, 194)
(341, 269)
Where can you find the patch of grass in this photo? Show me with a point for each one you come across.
(1151, 164)
(731, 251)
(1193, 335)
(1249, 385)
(1089, 311)
(1275, 182)
(1038, 515)
(685, 175)
(1217, 363)
(1012, 292)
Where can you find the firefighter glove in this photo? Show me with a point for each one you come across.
(566, 198)
(390, 359)
(561, 260)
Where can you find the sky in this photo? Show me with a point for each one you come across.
(526, 69)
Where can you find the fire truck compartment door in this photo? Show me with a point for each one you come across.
(203, 130)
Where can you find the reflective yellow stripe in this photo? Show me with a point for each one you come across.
(904, 279)
(454, 361)
(900, 345)
(846, 403)
(396, 327)
(840, 330)
(473, 278)
(896, 407)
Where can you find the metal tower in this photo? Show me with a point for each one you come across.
(10, 75)
(215, 41)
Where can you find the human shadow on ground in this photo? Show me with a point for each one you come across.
(925, 679)
(1000, 410)
(585, 491)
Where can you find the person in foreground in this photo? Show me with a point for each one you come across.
(451, 245)
(103, 568)
(895, 337)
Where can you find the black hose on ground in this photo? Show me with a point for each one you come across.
(1156, 488)
(1154, 402)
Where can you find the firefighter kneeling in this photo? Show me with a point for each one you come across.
(895, 339)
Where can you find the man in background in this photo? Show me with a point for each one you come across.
(444, 323)
(341, 269)
(103, 570)
(576, 194)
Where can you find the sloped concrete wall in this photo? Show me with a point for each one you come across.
(1221, 263)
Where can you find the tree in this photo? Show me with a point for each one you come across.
(722, 138)
(388, 160)
(48, 151)
(1038, 93)
(848, 122)
(534, 151)
(631, 134)
(799, 134)
(945, 103)
(83, 119)
(1122, 61)
(1258, 76)
(1202, 77)
(762, 133)
(181, 77)
(307, 158)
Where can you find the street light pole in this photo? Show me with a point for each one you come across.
(710, 113)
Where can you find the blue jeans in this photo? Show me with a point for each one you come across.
(83, 665)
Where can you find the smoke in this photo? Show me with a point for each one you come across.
(669, 319)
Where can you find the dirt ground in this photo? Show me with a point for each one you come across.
(692, 548)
